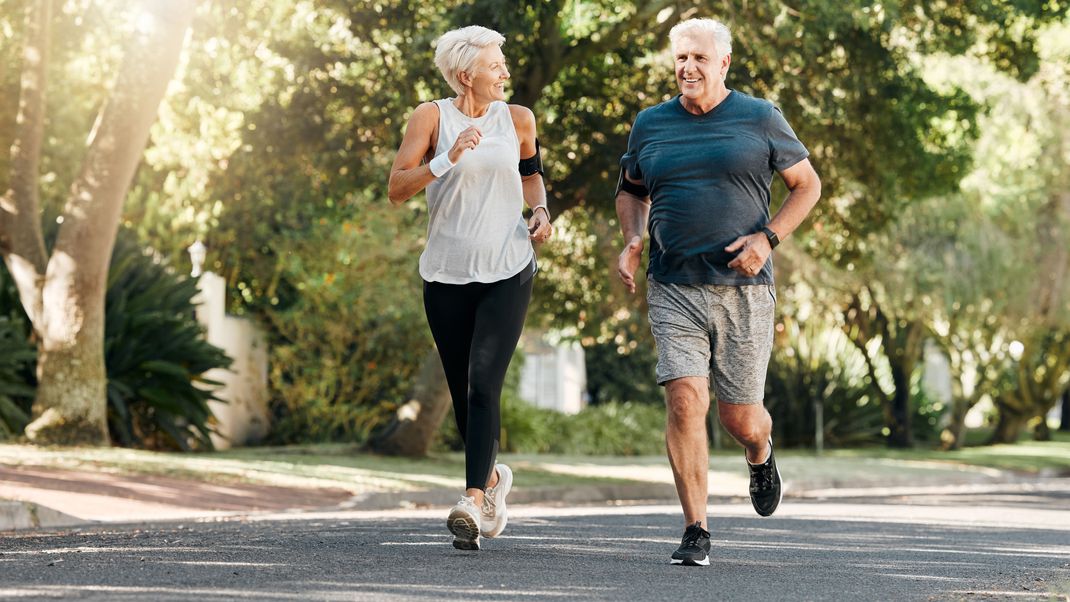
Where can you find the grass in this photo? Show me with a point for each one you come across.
(1026, 456)
(346, 467)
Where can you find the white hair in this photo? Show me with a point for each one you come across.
(722, 38)
(456, 51)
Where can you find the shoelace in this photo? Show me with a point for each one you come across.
(762, 477)
(693, 534)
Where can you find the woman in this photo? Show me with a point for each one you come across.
(479, 262)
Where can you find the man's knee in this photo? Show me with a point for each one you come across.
(746, 423)
(686, 400)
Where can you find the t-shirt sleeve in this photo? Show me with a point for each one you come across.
(785, 149)
(630, 160)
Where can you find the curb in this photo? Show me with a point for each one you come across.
(16, 516)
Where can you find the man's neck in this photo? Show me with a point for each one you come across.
(705, 105)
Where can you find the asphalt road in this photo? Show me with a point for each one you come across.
(959, 544)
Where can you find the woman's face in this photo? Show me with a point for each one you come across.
(487, 78)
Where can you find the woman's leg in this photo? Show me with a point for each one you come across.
(450, 310)
(499, 320)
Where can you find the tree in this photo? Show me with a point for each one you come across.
(63, 292)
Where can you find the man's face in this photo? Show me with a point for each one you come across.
(700, 71)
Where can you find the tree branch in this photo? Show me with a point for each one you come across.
(91, 217)
(616, 35)
(21, 241)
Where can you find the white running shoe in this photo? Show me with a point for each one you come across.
(494, 513)
(463, 522)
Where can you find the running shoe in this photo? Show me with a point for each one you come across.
(463, 522)
(765, 485)
(494, 514)
(694, 548)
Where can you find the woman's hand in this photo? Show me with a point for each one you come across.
(539, 228)
(466, 140)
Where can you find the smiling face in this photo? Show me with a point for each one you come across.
(700, 70)
(485, 82)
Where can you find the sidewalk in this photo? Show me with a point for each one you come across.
(50, 489)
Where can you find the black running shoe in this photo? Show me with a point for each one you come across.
(765, 487)
(694, 548)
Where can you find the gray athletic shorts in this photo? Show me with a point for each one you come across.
(721, 332)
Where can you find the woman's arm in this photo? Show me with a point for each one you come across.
(533, 186)
(410, 175)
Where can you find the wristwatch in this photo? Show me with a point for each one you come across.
(774, 240)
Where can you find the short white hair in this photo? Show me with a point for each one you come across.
(456, 51)
(722, 38)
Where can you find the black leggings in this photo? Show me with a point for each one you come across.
(476, 327)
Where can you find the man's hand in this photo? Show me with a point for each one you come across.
(629, 262)
(753, 250)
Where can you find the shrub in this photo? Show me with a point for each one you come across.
(815, 364)
(17, 357)
(156, 355)
(348, 333)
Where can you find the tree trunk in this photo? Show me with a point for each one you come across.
(1064, 424)
(413, 429)
(21, 241)
(1042, 432)
(900, 435)
(71, 402)
(954, 434)
(1008, 427)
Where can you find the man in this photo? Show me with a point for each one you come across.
(698, 169)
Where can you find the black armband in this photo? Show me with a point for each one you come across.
(532, 165)
(630, 187)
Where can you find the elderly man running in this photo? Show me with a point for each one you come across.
(697, 173)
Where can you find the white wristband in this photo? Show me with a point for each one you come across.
(441, 164)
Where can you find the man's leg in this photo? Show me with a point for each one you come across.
(687, 401)
(750, 424)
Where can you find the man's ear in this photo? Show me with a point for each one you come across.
(725, 62)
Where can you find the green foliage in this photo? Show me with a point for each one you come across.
(156, 355)
(814, 364)
(17, 356)
(610, 429)
(351, 333)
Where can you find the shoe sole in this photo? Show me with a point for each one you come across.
(689, 562)
(465, 531)
(507, 480)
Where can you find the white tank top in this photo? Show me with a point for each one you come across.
(476, 232)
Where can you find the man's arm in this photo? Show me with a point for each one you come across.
(632, 212)
(754, 249)
(805, 188)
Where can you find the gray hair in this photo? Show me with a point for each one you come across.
(722, 38)
(456, 51)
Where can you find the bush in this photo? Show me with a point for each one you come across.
(348, 332)
(814, 363)
(609, 429)
(156, 355)
(17, 357)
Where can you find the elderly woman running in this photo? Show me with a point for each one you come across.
(478, 157)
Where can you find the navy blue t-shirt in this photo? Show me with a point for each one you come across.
(708, 177)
